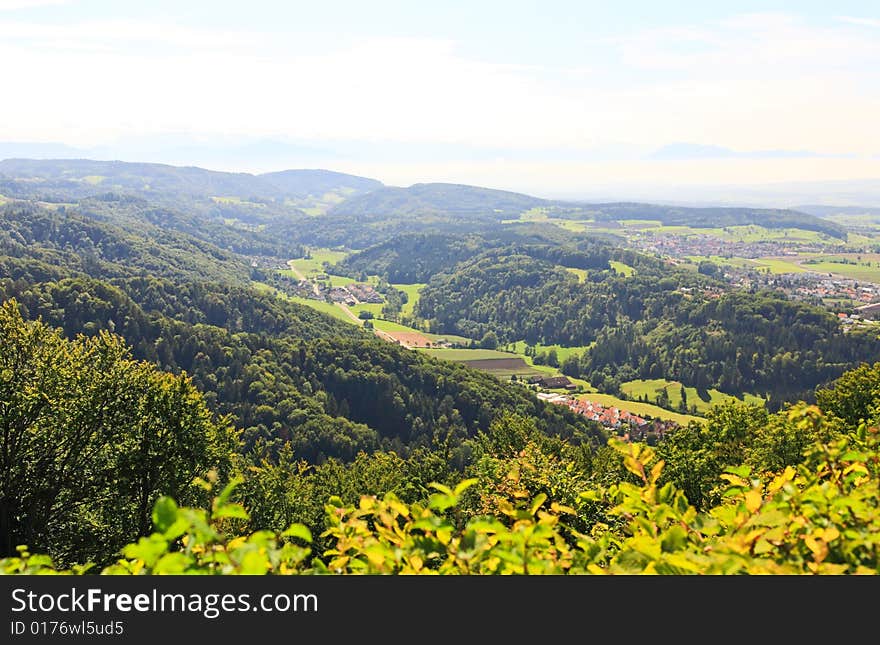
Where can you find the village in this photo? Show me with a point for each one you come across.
(625, 423)
(706, 245)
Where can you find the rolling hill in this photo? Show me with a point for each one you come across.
(455, 201)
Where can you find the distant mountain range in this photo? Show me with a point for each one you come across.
(345, 200)
(84, 177)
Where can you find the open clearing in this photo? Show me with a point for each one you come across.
(412, 295)
(315, 264)
(562, 353)
(651, 387)
(412, 339)
(623, 269)
(471, 354)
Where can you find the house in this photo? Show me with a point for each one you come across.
(553, 382)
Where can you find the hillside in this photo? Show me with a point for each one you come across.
(438, 199)
(713, 217)
(25, 178)
(305, 183)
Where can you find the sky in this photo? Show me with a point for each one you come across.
(555, 98)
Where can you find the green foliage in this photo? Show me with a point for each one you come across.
(821, 517)
(91, 438)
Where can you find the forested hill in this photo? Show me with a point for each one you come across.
(658, 322)
(453, 201)
(54, 178)
(714, 217)
(303, 183)
(286, 374)
(38, 243)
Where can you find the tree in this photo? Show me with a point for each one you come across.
(489, 340)
(87, 432)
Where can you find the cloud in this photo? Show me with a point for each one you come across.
(680, 151)
(866, 22)
(768, 84)
(12, 5)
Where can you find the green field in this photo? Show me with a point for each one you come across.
(747, 233)
(623, 269)
(867, 269)
(375, 309)
(324, 307)
(635, 389)
(467, 354)
(387, 325)
(315, 264)
(3, 199)
(412, 294)
(580, 273)
(94, 180)
(777, 266)
(562, 353)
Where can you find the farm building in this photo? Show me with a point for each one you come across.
(552, 382)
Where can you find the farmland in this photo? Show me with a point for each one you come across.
(650, 389)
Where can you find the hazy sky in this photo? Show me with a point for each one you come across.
(549, 97)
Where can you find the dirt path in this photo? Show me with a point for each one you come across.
(378, 332)
(299, 275)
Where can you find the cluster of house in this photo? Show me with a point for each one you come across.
(365, 293)
(683, 246)
(265, 262)
(630, 425)
(812, 286)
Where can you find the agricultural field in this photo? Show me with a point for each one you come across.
(856, 266)
(373, 308)
(470, 354)
(650, 388)
(562, 353)
(411, 339)
(315, 264)
(324, 307)
(449, 338)
(777, 266)
(623, 269)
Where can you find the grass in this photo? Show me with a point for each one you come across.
(867, 268)
(580, 273)
(562, 353)
(451, 338)
(468, 354)
(623, 269)
(777, 266)
(94, 180)
(315, 264)
(635, 389)
(324, 307)
(412, 294)
(3, 199)
(375, 309)
(387, 325)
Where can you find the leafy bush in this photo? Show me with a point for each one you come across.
(820, 517)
